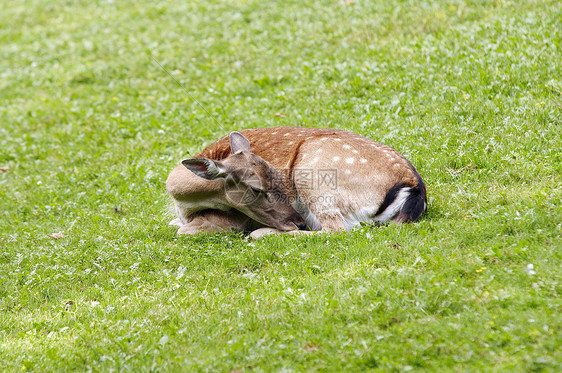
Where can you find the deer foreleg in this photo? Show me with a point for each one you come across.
(213, 221)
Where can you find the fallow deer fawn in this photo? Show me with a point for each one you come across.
(294, 180)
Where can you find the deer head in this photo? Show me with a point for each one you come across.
(250, 185)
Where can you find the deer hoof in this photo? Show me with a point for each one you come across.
(259, 233)
(176, 222)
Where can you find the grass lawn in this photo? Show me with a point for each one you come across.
(90, 126)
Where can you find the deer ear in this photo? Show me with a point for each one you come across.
(205, 168)
(238, 143)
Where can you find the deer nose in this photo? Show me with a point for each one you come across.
(300, 222)
(302, 227)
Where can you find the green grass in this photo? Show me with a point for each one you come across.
(90, 126)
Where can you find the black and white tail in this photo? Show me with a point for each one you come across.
(403, 203)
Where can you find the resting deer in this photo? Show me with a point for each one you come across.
(294, 180)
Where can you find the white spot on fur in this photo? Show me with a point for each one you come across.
(315, 160)
(291, 142)
(355, 151)
(318, 150)
(346, 146)
(336, 158)
(347, 172)
(362, 160)
(337, 139)
(274, 133)
(349, 160)
(323, 139)
(287, 134)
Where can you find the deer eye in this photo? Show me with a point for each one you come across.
(257, 191)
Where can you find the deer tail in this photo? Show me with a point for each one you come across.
(403, 203)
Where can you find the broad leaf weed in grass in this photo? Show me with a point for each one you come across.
(92, 277)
